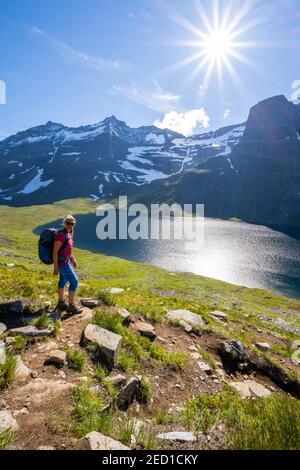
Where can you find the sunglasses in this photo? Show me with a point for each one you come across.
(70, 223)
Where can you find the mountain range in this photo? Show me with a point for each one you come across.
(250, 170)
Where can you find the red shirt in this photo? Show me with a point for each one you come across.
(67, 251)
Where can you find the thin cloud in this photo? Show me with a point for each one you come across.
(157, 99)
(227, 113)
(75, 56)
(184, 123)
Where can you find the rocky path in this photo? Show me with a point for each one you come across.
(38, 404)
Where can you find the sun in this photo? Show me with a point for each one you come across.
(217, 45)
(219, 39)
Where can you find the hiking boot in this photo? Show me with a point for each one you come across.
(61, 306)
(73, 309)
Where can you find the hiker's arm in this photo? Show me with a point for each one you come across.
(73, 261)
(56, 248)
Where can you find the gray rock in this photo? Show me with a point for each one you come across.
(195, 356)
(115, 290)
(117, 381)
(242, 388)
(126, 317)
(205, 367)
(127, 392)
(177, 436)
(257, 389)
(2, 352)
(56, 358)
(90, 302)
(98, 441)
(22, 372)
(263, 346)
(233, 351)
(107, 344)
(21, 412)
(219, 315)
(3, 328)
(7, 421)
(145, 329)
(31, 331)
(187, 327)
(42, 391)
(187, 316)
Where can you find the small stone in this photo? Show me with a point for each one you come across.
(31, 331)
(145, 329)
(195, 356)
(34, 374)
(162, 340)
(117, 381)
(21, 412)
(178, 386)
(98, 441)
(125, 315)
(219, 315)
(186, 326)
(186, 315)
(177, 436)
(126, 394)
(3, 328)
(49, 346)
(90, 302)
(22, 372)
(61, 374)
(193, 348)
(205, 367)
(45, 448)
(82, 379)
(2, 352)
(116, 290)
(233, 351)
(7, 421)
(56, 358)
(263, 346)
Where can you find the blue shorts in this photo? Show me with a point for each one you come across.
(67, 274)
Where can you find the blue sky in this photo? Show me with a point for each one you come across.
(76, 62)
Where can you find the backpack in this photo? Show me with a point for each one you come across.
(46, 244)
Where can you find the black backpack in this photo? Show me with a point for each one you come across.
(46, 244)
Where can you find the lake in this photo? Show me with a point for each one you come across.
(236, 252)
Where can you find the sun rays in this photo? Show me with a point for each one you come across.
(219, 42)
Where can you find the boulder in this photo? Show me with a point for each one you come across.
(187, 316)
(257, 389)
(106, 343)
(3, 328)
(219, 315)
(97, 441)
(145, 329)
(22, 372)
(232, 351)
(56, 358)
(31, 331)
(177, 436)
(90, 302)
(2, 352)
(7, 421)
(205, 367)
(126, 394)
(117, 381)
(263, 346)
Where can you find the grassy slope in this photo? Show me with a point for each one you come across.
(152, 290)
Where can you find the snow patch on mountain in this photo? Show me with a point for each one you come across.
(154, 138)
(36, 183)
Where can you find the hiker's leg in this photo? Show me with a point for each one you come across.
(61, 285)
(61, 293)
(71, 277)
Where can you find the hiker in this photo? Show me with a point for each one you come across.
(63, 265)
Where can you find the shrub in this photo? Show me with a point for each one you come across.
(106, 298)
(7, 371)
(76, 359)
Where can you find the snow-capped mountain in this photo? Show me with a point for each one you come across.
(258, 180)
(52, 162)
